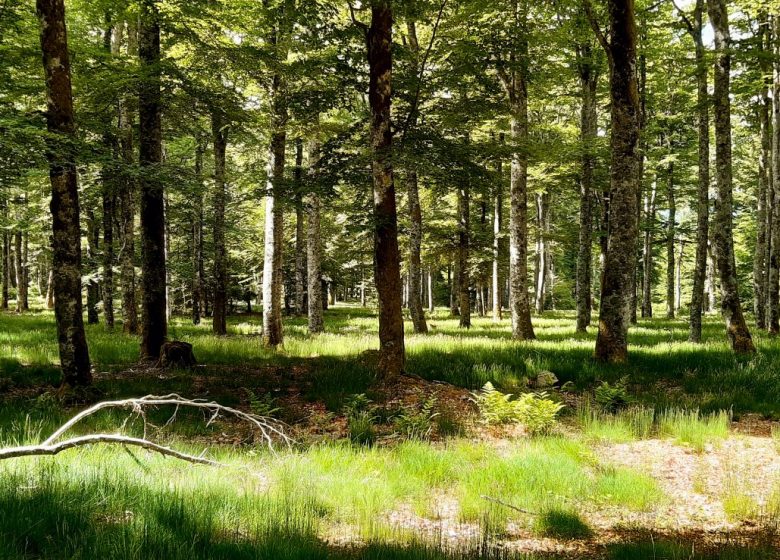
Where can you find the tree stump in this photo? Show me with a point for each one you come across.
(176, 354)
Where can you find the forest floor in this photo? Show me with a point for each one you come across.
(408, 473)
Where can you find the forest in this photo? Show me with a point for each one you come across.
(390, 279)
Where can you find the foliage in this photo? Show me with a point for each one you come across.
(262, 405)
(418, 423)
(612, 398)
(534, 410)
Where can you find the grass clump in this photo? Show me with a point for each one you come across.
(690, 427)
(632, 423)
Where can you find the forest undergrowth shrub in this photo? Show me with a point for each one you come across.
(535, 411)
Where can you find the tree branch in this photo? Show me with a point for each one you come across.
(270, 429)
(359, 24)
(594, 24)
(685, 19)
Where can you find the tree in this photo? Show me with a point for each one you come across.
(387, 269)
(703, 175)
(314, 242)
(219, 132)
(723, 240)
(615, 312)
(66, 232)
(274, 210)
(154, 329)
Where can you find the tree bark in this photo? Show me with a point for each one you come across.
(21, 273)
(647, 251)
(773, 287)
(671, 230)
(127, 203)
(198, 276)
(300, 236)
(763, 217)
(108, 256)
(313, 243)
(619, 267)
(517, 91)
(219, 132)
(723, 241)
(703, 174)
(154, 328)
(498, 206)
(589, 75)
(464, 240)
(386, 254)
(543, 253)
(66, 232)
(274, 220)
(6, 268)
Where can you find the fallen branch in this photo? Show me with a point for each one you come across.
(269, 428)
(505, 504)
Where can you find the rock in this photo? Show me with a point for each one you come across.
(544, 379)
(176, 354)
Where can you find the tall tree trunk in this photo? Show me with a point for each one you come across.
(498, 206)
(454, 285)
(127, 204)
(50, 291)
(386, 255)
(647, 251)
(464, 240)
(108, 179)
(773, 287)
(431, 302)
(198, 294)
(219, 132)
(589, 75)
(517, 91)
(6, 268)
(415, 212)
(66, 233)
(723, 241)
(154, 328)
(300, 236)
(93, 242)
(703, 181)
(21, 273)
(108, 256)
(678, 276)
(274, 220)
(313, 242)
(619, 267)
(543, 253)
(671, 230)
(760, 262)
(711, 282)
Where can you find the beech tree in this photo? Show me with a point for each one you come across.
(154, 327)
(66, 231)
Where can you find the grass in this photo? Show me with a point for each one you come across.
(104, 502)
(690, 427)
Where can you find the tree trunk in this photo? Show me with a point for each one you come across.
(219, 132)
(50, 291)
(93, 239)
(386, 255)
(21, 274)
(313, 242)
(108, 256)
(763, 217)
(498, 203)
(198, 294)
(620, 262)
(647, 251)
(154, 328)
(543, 253)
(274, 220)
(589, 75)
(415, 244)
(6, 268)
(454, 285)
(703, 181)
(66, 233)
(671, 230)
(431, 302)
(773, 287)
(300, 236)
(723, 241)
(127, 204)
(678, 275)
(464, 298)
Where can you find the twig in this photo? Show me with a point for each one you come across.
(268, 428)
(505, 504)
